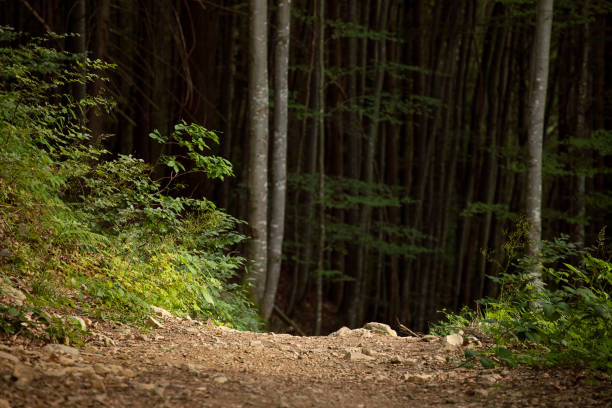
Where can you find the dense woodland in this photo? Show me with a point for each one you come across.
(406, 136)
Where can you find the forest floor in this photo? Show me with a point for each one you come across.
(190, 364)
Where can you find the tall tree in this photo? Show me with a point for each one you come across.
(278, 176)
(538, 84)
(258, 151)
(320, 128)
(100, 47)
(80, 45)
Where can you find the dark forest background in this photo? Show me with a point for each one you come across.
(431, 94)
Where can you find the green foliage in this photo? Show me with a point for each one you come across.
(568, 322)
(33, 321)
(76, 219)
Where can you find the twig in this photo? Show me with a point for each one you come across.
(38, 17)
(406, 330)
(288, 320)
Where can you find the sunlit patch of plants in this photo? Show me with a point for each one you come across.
(94, 231)
(568, 322)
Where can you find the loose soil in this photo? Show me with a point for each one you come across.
(190, 364)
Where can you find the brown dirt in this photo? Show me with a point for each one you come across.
(189, 364)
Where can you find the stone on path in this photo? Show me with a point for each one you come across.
(221, 380)
(418, 378)
(8, 357)
(380, 328)
(160, 311)
(430, 338)
(454, 339)
(341, 332)
(151, 322)
(24, 375)
(61, 349)
(357, 356)
(18, 297)
(79, 321)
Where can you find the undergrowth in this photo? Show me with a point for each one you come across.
(82, 229)
(566, 323)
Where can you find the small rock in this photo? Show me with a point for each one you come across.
(341, 332)
(76, 398)
(256, 343)
(417, 378)
(368, 352)
(4, 403)
(101, 398)
(18, 297)
(59, 372)
(60, 348)
(220, 380)
(86, 370)
(24, 375)
(429, 338)
(144, 386)
(104, 339)
(396, 360)
(454, 340)
(97, 382)
(151, 322)
(8, 357)
(380, 328)
(357, 356)
(128, 373)
(79, 321)
(160, 311)
(480, 392)
(194, 368)
(411, 361)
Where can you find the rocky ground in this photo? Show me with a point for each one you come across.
(183, 363)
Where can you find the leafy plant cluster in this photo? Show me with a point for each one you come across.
(97, 233)
(568, 322)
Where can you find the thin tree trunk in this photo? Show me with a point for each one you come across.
(535, 131)
(582, 132)
(101, 45)
(229, 107)
(279, 155)
(320, 125)
(258, 153)
(80, 44)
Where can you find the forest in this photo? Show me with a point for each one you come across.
(313, 163)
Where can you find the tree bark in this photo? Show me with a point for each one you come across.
(101, 45)
(320, 126)
(278, 176)
(258, 152)
(80, 44)
(535, 132)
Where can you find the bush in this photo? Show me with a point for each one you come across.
(75, 218)
(568, 322)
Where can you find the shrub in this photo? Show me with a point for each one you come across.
(73, 216)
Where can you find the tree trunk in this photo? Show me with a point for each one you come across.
(80, 45)
(258, 151)
(278, 175)
(320, 126)
(582, 131)
(535, 131)
(101, 44)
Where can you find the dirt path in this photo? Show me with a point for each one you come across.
(187, 364)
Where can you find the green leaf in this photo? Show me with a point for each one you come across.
(470, 353)
(486, 362)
